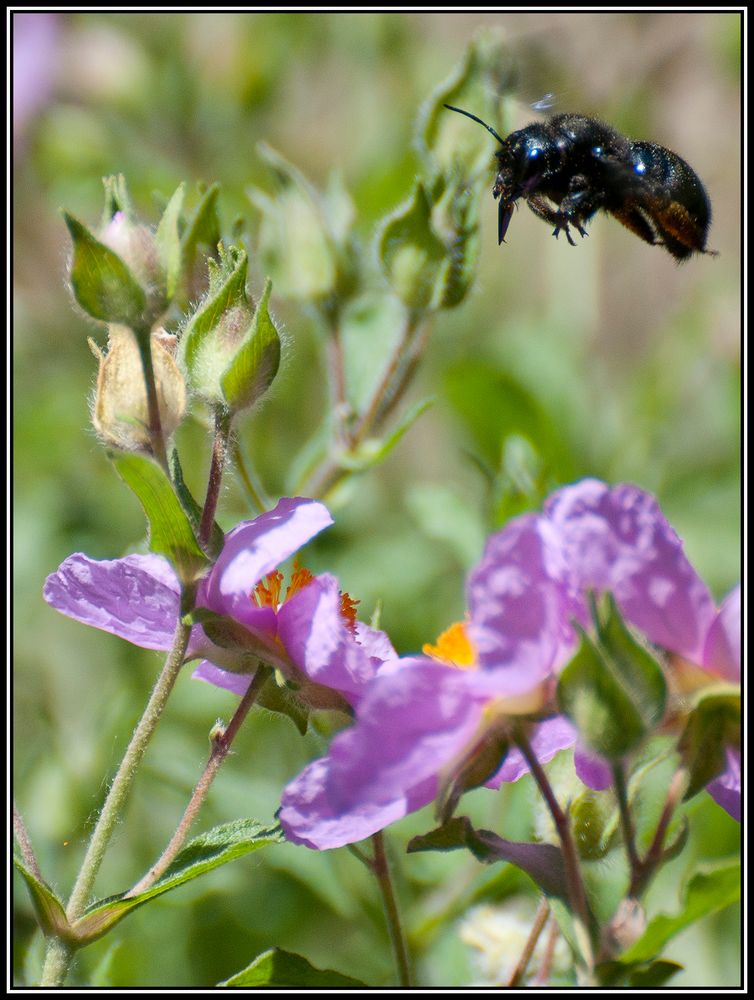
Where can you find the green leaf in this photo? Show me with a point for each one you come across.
(103, 284)
(169, 242)
(203, 228)
(707, 892)
(255, 364)
(542, 862)
(370, 330)
(204, 853)
(117, 198)
(713, 724)
(640, 975)
(284, 968)
(193, 509)
(613, 689)
(374, 451)
(496, 407)
(48, 908)
(170, 531)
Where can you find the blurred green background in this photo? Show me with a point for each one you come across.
(608, 359)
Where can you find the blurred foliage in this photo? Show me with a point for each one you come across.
(606, 359)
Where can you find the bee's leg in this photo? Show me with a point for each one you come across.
(581, 202)
(632, 218)
(543, 210)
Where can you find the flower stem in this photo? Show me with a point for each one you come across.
(253, 489)
(144, 340)
(381, 869)
(219, 451)
(393, 384)
(220, 749)
(626, 821)
(576, 891)
(540, 919)
(58, 958)
(651, 861)
(24, 842)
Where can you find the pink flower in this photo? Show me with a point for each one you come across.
(310, 633)
(419, 720)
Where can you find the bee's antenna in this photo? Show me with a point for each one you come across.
(475, 119)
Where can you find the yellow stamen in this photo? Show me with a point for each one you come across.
(453, 647)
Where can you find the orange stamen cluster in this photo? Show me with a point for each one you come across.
(348, 611)
(300, 578)
(453, 647)
(267, 593)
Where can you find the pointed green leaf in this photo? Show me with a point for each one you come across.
(227, 289)
(256, 362)
(284, 968)
(170, 531)
(117, 198)
(103, 284)
(640, 975)
(49, 909)
(192, 508)
(707, 892)
(374, 451)
(204, 853)
(169, 242)
(203, 227)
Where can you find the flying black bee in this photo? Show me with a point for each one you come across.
(571, 166)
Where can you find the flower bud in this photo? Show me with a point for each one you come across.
(229, 348)
(119, 410)
(136, 246)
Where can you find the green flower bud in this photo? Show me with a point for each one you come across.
(305, 241)
(613, 690)
(229, 348)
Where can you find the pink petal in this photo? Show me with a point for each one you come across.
(136, 598)
(318, 641)
(722, 650)
(254, 548)
(618, 539)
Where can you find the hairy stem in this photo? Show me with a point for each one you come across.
(540, 919)
(24, 843)
(219, 452)
(56, 963)
(576, 891)
(381, 870)
(144, 340)
(220, 749)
